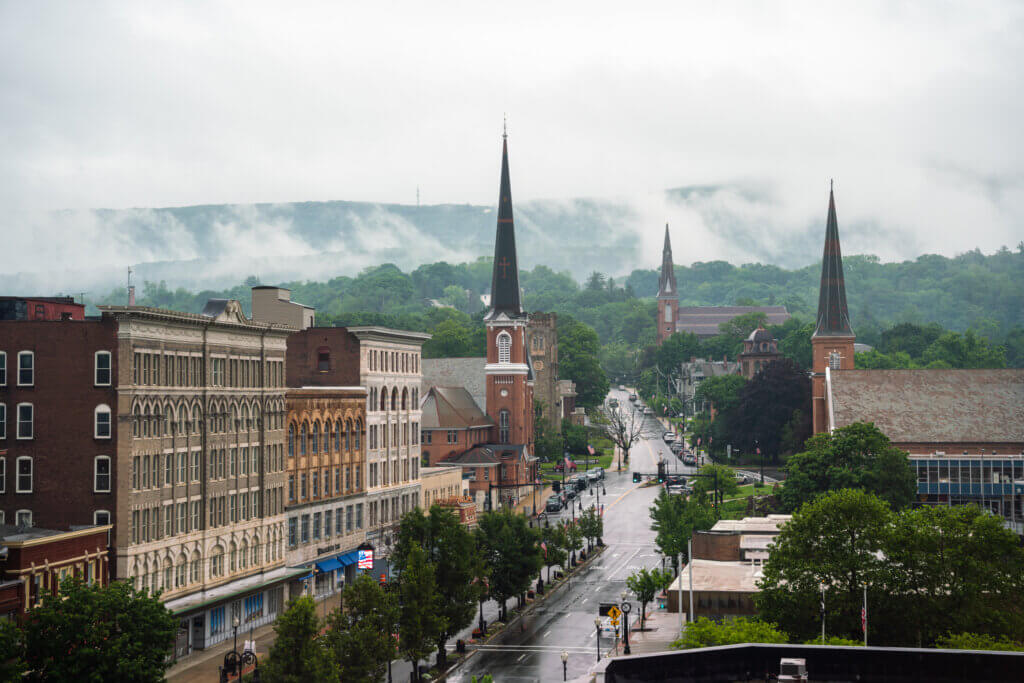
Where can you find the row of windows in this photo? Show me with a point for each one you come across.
(379, 472)
(173, 370)
(164, 521)
(323, 477)
(170, 469)
(25, 427)
(378, 436)
(187, 570)
(26, 368)
(381, 399)
(394, 361)
(184, 420)
(309, 437)
(381, 513)
(343, 520)
(24, 474)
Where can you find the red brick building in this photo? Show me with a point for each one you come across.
(58, 422)
(37, 560)
(40, 308)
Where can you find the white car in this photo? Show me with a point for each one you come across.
(669, 437)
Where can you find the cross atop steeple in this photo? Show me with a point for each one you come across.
(667, 281)
(833, 316)
(505, 273)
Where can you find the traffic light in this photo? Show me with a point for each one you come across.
(556, 486)
(661, 473)
(636, 477)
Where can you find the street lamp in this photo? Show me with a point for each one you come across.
(597, 625)
(565, 663)
(235, 662)
(625, 607)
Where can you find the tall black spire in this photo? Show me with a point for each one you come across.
(505, 276)
(833, 316)
(667, 281)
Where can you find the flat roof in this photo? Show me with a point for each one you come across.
(711, 575)
(762, 525)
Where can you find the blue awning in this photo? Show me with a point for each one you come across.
(348, 558)
(328, 565)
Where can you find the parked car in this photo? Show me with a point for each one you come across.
(676, 490)
(570, 493)
(553, 505)
(632, 397)
(622, 387)
(743, 479)
(674, 480)
(677, 447)
(613, 403)
(689, 460)
(669, 437)
(600, 472)
(595, 474)
(648, 411)
(581, 482)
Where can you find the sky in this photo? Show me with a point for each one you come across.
(913, 109)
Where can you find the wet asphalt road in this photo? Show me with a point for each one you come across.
(566, 620)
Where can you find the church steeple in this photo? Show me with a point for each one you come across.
(833, 316)
(505, 274)
(667, 281)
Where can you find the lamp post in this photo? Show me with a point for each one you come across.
(757, 445)
(625, 607)
(565, 663)
(597, 625)
(235, 661)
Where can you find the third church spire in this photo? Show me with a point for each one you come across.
(505, 275)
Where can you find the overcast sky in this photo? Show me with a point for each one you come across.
(914, 108)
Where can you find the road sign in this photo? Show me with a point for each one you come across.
(614, 613)
(615, 622)
(605, 609)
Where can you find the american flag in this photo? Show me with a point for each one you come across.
(590, 449)
(568, 463)
(863, 618)
(544, 547)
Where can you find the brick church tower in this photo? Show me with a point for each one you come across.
(832, 341)
(668, 297)
(508, 370)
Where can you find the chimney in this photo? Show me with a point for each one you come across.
(131, 295)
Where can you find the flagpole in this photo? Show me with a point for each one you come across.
(864, 616)
(823, 613)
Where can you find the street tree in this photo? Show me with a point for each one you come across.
(420, 619)
(624, 427)
(12, 651)
(704, 632)
(452, 552)
(510, 553)
(766, 405)
(553, 550)
(837, 542)
(299, 653)
(674, 519)
(93, 633)
(591, 526)
(361, 634)
(858, 455)
(646, 584)
(712, 475)
(573, 538)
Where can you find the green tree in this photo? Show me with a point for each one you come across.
(420, 620)
(553, 552)
(855, 456)
(722, 391)
(299, 653)
(674, 519)
(510, 552)
(578, 351)
(360, 637)
(93, 633)
(704, 632)
(836, 541)
(573, 538)
(766, 405)
(452, 552)
(795, 340)
(704, 485)
(964, 351)
(12, 652)
(646, 584)
(591, 525)
(909, 338)
(978, 641)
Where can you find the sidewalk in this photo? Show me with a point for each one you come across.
(203, 666)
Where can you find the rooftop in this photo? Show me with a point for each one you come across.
(452, 408)
(710, 575)
(930, 406)
(457, 372)
(703, 321)
(753, 525)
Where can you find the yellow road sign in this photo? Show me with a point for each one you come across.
(615, 621)
(614, 613)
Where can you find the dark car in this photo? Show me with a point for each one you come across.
(570, 493)
(689, 460)
(675, 480)
(581, 483)
(553, 505)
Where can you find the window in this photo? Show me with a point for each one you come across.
(327, 522)
(101, 422)
(291, 487)
(453, 436)
(293, 531)
(26, 368)
(3, 368)
(504, 347)
(101, 375)
(3, 421)
(426, 437)
(503, 426)
(302, 486)
(291, 441)
(3, 476)
(316, 526)
(305, 529)
(24, 475)
(101, 474)
(323, 360)
(834, 360)
(25, 420)
(101, 517)
(23, 518)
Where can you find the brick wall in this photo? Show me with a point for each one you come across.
(721, 547)
(64, 397)
(304, 350)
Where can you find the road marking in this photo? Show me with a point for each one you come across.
(583, 601)
(549, 632)
(521, 657)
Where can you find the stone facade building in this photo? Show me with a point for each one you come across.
(326, 501)
(386, 362)
(542, 340)
(200, 464)
(760, 350)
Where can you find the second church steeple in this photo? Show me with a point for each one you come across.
(505, 274)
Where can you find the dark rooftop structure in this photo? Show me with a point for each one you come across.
(703, 321)
(667, 280)
(833, 316)
(452, 408)
(505, 276)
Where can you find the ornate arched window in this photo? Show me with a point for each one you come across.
(394, 398)
(303, 433)
(504, 347)
(315, 440)
(384, 398)
(503, 426)
(405, 398)
(337, 436)
(348, 435)
(291, 441)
